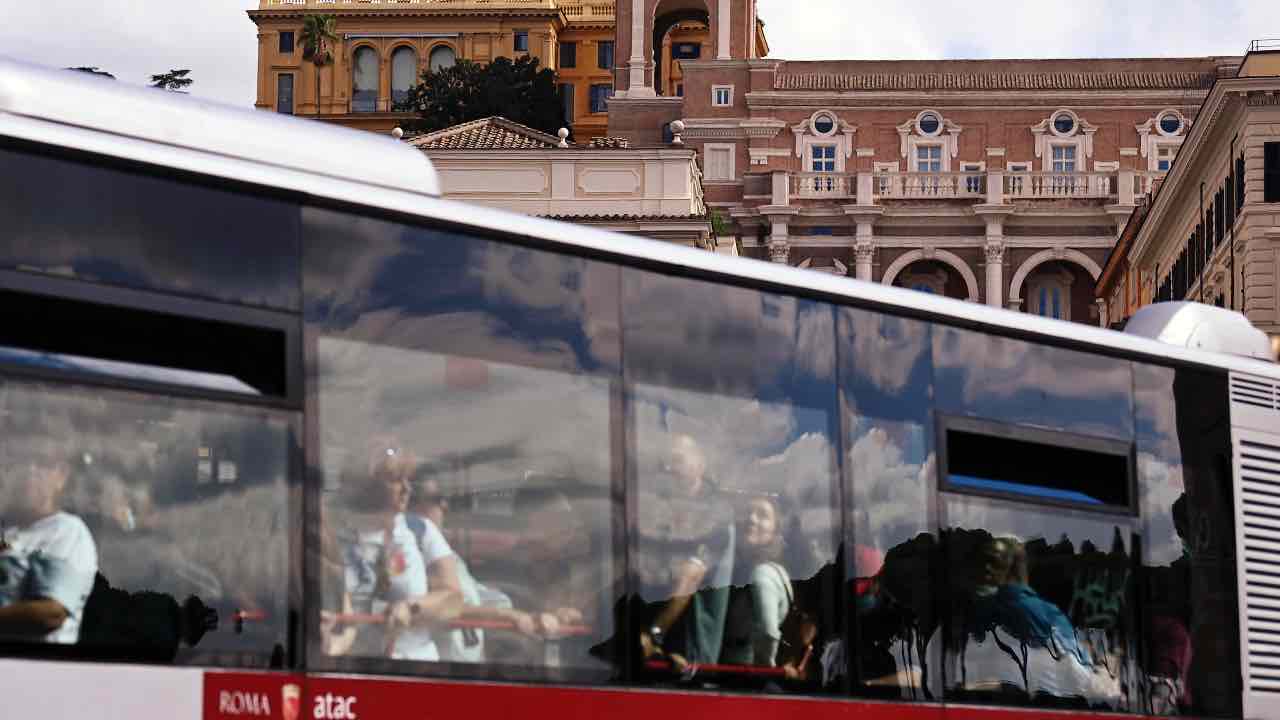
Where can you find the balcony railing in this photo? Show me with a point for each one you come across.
(929, 186)
(1051, 185)
(1122, 187)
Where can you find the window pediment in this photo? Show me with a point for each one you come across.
(930, 127)
(1064, 128)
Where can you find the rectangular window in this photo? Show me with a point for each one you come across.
(679, 89)
(1164, 157)
(929, 158)
(722, 96)
(719, 165)
(1271, 172)
(1034, 465)
(284, 93)
(566, 102)
(604, 54)
(600, 98)
(521, 42)
(824, 158)
(286, 42)
(568, 55)
(1064, 158)
(686, 51)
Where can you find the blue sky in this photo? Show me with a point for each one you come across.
(135, 38)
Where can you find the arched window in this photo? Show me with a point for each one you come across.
(364, 80)
(442, 57)
(404, 69)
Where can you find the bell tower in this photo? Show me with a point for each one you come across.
(642, 24)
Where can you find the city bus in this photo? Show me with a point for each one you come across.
(284, 434)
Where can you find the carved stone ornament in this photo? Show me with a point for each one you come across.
(779, 251)
(864, 252)
(995, 254)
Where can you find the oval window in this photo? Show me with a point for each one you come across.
(824, 125)
(930, 123)
(1064, 123)
(1170, 124)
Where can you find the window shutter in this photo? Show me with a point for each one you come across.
(1271, 172)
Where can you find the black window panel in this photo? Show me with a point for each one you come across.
(886, 389)
(604, 55)
(1035, 466)
(521, 41)
(286, 41)
(567, 91)
(1240, 182)
(686, 51)
(1188, 584)
(1271, 172)
(122, 227)
(491, 371)
(568, 55)
(1219, 218)
(63, 334)
(174, 523)
(284, 93)
(600, 98)
(1229, 195)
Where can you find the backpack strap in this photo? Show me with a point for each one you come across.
(786, 581)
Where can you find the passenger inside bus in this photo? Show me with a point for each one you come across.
(685, 562)
(762, 595)
(385, 571)
(48, 558)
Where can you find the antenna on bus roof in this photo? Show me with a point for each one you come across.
(1202, 327)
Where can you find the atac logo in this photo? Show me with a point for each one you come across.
(335, 707)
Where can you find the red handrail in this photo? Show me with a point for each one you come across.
(242, 616)
(718, 669)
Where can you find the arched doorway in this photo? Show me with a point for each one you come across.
(667, 15)
(969, 282)
(1056, 283)
(933, 277)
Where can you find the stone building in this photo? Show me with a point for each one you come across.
(1212, 231)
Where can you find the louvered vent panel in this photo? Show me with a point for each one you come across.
(1258, 470)
(1255, 392)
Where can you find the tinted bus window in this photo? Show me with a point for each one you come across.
(1189, 584)
(734, 431)
(144, 528)
(103, 224)
(463, 398)
(886, 384)
(1040, 597)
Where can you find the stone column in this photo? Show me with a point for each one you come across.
(863, 254)
(636, 86)
(995, 272)
(779, 243)
(723, 38)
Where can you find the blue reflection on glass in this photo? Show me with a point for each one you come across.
(1022, 489)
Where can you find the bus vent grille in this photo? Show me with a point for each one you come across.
(1255, 392)
(1258, 467)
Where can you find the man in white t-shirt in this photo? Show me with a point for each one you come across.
(48, 559)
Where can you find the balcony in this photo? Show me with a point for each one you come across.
(993, 187)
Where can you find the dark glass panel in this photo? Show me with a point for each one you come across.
(1189, 573)
(1023, 383)
(124, 228)
(886, 377)
(734, 426)
(159, 527)
(464, 395)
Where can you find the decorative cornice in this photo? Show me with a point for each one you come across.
(996, 81)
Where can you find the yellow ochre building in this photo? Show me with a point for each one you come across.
(383, 46)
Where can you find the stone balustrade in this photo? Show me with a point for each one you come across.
(994, 187)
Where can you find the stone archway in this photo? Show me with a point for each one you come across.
(1042, 257)
(943, 256)
(666, 15)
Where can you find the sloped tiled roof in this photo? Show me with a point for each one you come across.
(491, 133)
(611, 143)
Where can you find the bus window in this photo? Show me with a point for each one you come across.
(105, 224)
(143, 528)
(1188, 562)
(886, 382)
(732, 412)
(464, 395)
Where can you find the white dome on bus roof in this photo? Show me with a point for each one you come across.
(1202, 327)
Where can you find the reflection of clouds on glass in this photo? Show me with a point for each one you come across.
(1017, 381)
(885, 349)
(891, 486)
(750, 447)
(1161, 485)
(492, 420)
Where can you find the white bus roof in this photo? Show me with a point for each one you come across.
(76, 110)
(104, 105)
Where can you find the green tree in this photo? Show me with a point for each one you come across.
(319, 32)
(175, 80)
(93, 70)
(517, 90)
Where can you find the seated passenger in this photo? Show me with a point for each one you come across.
(48, 559)
(685, 562)
(446, 570)
(385, 573)
(762, 595)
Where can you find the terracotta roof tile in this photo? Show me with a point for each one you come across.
(995, 81)
(491, 133)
